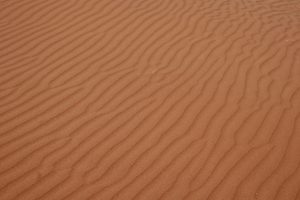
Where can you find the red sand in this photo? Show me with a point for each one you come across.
(150, 100)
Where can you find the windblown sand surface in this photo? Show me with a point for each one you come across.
(150, 100)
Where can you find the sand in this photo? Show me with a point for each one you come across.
(150, 100)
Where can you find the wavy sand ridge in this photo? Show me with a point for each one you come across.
(150, 100)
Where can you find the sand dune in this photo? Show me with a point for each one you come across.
(150, 100)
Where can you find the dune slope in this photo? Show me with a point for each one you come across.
(150, 100)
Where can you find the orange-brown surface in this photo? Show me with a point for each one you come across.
(150, 100)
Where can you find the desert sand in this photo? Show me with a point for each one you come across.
(150, 100)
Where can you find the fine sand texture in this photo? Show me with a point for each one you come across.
(149, 100)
